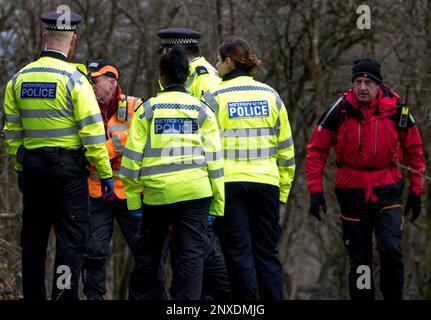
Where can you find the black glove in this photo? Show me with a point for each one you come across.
(413, 202)
(107, 186)
(211, 219)
(317, 200)
(136, 214)
(21, 185)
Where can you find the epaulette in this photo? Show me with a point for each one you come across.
(200, 70)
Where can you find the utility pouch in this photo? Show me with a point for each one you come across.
(20, 153)
(83, 162)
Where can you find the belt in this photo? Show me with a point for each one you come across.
(52, 151)
(339, 165)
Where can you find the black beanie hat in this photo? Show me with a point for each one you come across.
(367, 68)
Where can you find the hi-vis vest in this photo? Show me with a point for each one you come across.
(202, 78)
(173, 153)
(257, 139)
(50, 103)
(117, 133)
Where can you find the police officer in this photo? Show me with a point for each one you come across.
(259, 169)
(51, 113)
(372, 131)
(202, 77)
(173, 154)
(117, 111)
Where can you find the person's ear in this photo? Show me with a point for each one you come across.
(72, 45)
(73, 41)
(113, 82)
(229, 63)
(44, 40)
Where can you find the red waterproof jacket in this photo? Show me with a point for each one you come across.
(370, 141)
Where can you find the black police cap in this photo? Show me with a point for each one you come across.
(58, 21)
(182, 36)
(103, 67)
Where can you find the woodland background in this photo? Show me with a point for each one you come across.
(307, 48)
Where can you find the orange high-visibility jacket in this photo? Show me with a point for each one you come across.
(117, 131)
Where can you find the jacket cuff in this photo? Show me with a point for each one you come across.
(134, 202)
(315, 189)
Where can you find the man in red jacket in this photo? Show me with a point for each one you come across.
(372, 133)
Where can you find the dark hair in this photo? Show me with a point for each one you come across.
(239, 51)
(193, 50)
(174, 66)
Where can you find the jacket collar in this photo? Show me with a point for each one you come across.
(53, 54)
(175, 87)
(239, 72)
(384, 103)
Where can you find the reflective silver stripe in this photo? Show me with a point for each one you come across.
(95, 175)
(249, 132)
(129, 173)
(172, 151)
(218, 173)
(93, 140)
(133, 155)
(190, 80)
(74, 78)
(50, 133)
(243, 88)
(202, 114)
(118, 127)
(11, 118)
(148, 171)
(336, 103)
(117, 144)
(285, 163)
(285, 144)
(148, 110)
(95, 118)
(279, 103)
(45, 113)
(211, 101)
(213, 156)
(250, 153)
(9, 135)
(14, 79)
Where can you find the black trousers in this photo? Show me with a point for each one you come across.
(249, 234)
(103, 213)
(189, 223)
(216, 284)
(55, 195)
(359, 220)
(215, 281)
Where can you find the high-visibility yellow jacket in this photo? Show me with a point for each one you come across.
(173, 152)
(202, 77)
(117, 131)
(257, 139)
(50, 103)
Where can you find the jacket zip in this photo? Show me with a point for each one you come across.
(375, 141)
(359, 137)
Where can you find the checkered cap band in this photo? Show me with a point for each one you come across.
(61, 27)
(181, 41)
